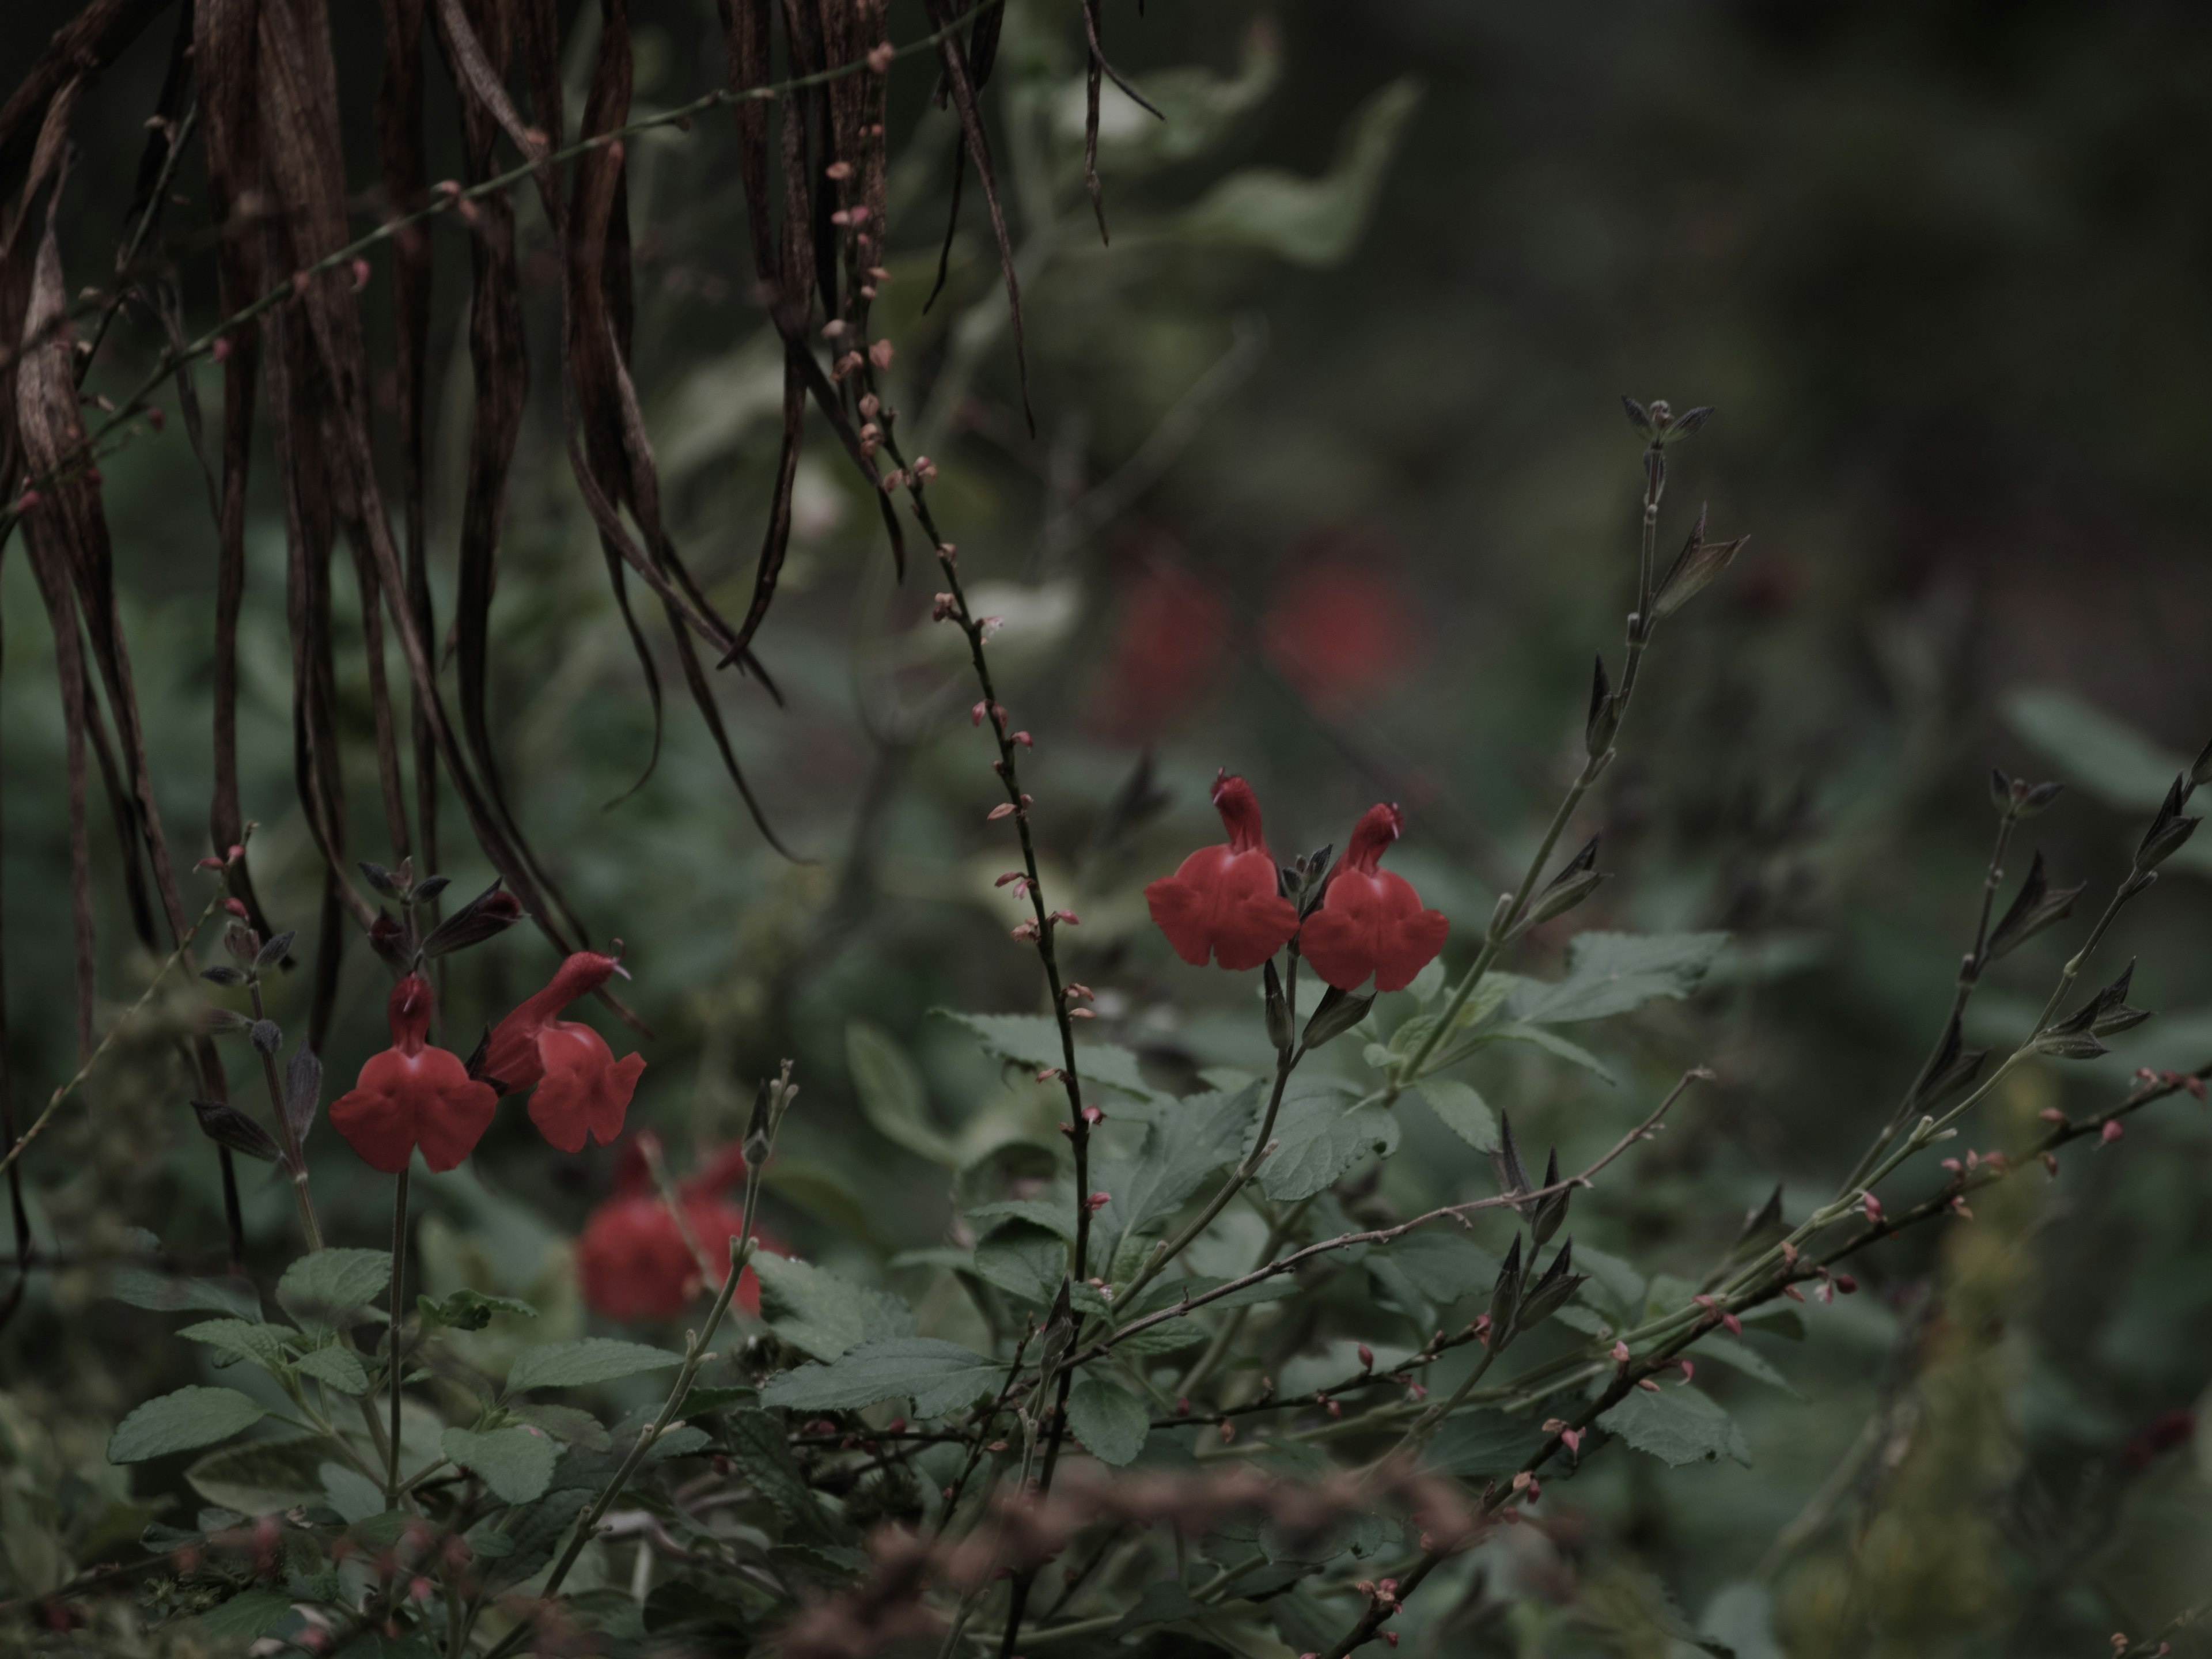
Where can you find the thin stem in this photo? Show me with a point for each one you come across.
(295, 1164)
(391, 1487)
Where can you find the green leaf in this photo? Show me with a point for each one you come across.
(1551, 1042)
(328, 1286)
(572, 1427)
(1464, 1112)
(246, 1617)
(516, 1461)
(1621, 1286)
(339, 1367)
(1162, 1601)
(1677, 1426)
(263, 1476)
(1310, 222)
(1022, 1258)
(1612, 973)
(2100, 755)
(1180, 1149)
(263, 1345)
(1484, 1443)
(939, 1376)
(1109, 1420)
(1033, 1040)
(755, 1440)
(470, 1310)
(1058, 1217)
(1443, 1267)
(893, 1097)
(178, 1422)
(352, 1493)
(826, 1195)
(820, 1314)
(1742, 1356)
(143, 1288)
(579, 1364)
(531, 1534)
(1323, 1131)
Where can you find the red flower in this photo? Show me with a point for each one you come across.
(413, 1094)
(1169, 646)
(1338, 634)
(580, 1084)
(633, 1259)
(1224, 902)
(1371, 921)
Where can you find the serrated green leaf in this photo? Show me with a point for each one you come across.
(341, 1368)
(1322, 1130)
(470, 1310)
(1022, 1259)
(1610, 974)
(516, 1461)
(939, 1376)
(189, 1418)
(755, 1439)
(1613, 1287)
(1443, 1267)
(263, 1345)
(328, 1286)
(572, 1427)
(893, 1097)
(1109, 1420)
(1180, 1149)
(1537, 1036)
(1057, 1215)
(1677, 1426)
(820, 1314)
(579, 1364)
(1462, 1110)
(1742, 1356)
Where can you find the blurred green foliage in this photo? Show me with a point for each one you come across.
(1373, 290)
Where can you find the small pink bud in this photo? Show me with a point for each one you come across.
(1092, 1115)
(840, 171)
(880, 353)
(1099, 1201)
(1025, 739)
(1068, 917)
(2110, 1132)
(1026, 931)
(1366, 1357)
(236, 907)
(222, 349)
(1571, 1439)
(155, 419)
(1003, 809)
(1689, 1371)
(1011, 875)
(1183, 1405)
(300, 282)
(360, 273)
(30, 501)
(1621, 1352)
(940, 607)
(976, 714)
(879, 57)
(422, 1589)
(1846, 1285)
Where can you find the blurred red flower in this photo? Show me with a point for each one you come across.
(1225, 901)
(1172, 638)
(1338, 633)
(634, 1260)
(413, 1094)
(580, 1085)
(1370, 919)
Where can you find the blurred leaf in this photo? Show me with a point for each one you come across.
(472, 1310)
(1741, 1618)
(1550, 1041)
(1057, 1216)
(2095, 753)
(263, 1476)
(328, 1286)
(143, 1288)
(1109, 1420)
(264, 1345)
(1612, 973)
(1462, 1110)
(1033, 1040)
(573, 1427)
(939, 1376)
(892, 1095)
(1161, 1602)
(1308, 222)
(825, 1194)
(579, 1364)
(1623, 1287)
(246, 1617)
(516, 1462)
(1200, 108)
(821, 1314)
(189, 1418)
(1442, 1266)
(531, 1534)
(1475, 1444)
(1676, 1426)
(352, 1493)
(1323, 1130)
(1742, 1357)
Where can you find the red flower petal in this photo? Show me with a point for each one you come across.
(412, 1095)
(1370, 919)
(582, 1086)
(635, 1265)
(512, 1059)
(1226, 905)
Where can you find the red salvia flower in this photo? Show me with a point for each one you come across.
(412, 1095)
(1169, 647)
(1225, 901)
(633, 1259)
(580, 1087)
(1370, 919)
(1338, 633)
